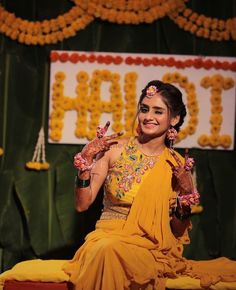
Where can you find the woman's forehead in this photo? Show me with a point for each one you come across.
(154, 101)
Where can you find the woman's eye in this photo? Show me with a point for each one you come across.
(143, 110)
(158, 112)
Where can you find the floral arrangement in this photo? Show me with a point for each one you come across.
(122, 12)
(1, 151)
(200, 25)
(192, 104)
(38, 161)
(197, 63)
(217, 83)
(89, 100)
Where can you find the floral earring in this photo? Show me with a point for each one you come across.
(171, 135)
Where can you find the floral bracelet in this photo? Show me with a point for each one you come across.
(189, 199)
(81, 163)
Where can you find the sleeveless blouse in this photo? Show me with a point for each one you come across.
(124, 179)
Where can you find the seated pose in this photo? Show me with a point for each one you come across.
(138, 240)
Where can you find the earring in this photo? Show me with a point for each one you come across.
(171, 135)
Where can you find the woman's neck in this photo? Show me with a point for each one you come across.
(151, 146)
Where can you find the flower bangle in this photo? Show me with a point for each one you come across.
(81, 163)
(189, 199)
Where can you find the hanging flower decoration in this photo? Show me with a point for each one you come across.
(217, 84)
(46, 31)
(1, 151)
(202, 26)
(38, 161)
(121, 12)
(192, 104)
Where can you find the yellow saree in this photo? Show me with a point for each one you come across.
(141, 251)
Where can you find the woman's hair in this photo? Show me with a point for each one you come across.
(171, 96)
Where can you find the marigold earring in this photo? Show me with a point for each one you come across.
(171, 135)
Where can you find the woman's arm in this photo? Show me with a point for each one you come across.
(84, 196)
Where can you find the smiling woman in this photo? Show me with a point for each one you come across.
(138, 240)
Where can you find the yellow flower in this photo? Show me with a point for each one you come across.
(68, 103)
(167, 78)
(130, 87)
(44, 165)
(82, 77)
(80, 132)
(176, 76)
(58, 113)
(115, 77)
(215, 129)
(214, 140)
(117, 127)
(55, 135)
(60, 76)
(91, 134)
(206, 82)
(58, 86)
(216, 99)
(55, 124)
(183, 80)
(225, 141)
(216, 119)
(193, 120)
(114, 88)
(228, 83)
(1, 151)
(191, 129)
(216, 109)
(106, 75)
(117, 116)
(217, 80)
(131, 77)
(203, 140)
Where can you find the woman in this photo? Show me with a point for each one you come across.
(138, 241)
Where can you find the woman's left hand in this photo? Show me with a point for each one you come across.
(182, 174)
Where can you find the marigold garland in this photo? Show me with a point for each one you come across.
(197, 63)
(217, 84)
(202, 26)
(121, 12)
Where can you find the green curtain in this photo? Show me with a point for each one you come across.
(37, 215)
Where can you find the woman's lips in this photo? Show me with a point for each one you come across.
(149, 125)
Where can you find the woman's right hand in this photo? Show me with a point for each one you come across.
(100, 144)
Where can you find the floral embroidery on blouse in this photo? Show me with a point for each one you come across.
(129, 169)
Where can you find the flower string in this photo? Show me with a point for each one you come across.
(122, 12)
(38, 161)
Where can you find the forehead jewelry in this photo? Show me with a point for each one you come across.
(151, 91)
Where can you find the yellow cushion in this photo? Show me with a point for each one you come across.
(36, 270)
(51, 271)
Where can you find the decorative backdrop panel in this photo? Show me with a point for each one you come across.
(88, 89)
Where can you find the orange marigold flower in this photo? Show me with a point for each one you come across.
(203, 140)
(214, 140)
(225, 141)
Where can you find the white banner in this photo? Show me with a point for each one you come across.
(88, 89)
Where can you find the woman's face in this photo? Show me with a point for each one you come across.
(154, 116)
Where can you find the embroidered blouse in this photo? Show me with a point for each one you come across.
(123, 180)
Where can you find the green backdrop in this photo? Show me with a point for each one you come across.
(37, 215)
